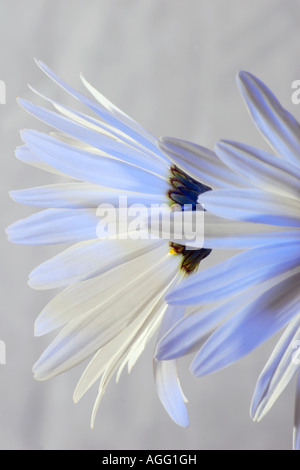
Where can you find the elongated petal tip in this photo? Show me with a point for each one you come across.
(12, 233)
(223, 145)
(196, 369)
(42, 371)
(246, 80)
(38, 373)
(164, 352)
(242, 75)
(15, 195)
(209, 360)
(23, 103)
(168, 145)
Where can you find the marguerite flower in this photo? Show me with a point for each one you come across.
(113, 297)
(249, 297)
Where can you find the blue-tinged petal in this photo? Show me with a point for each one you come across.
(52, 226)
(92, 168)
(253, 205)
(103, 128)
(236, 235)
(25, 155)
(108, 112)
(236, 274)
(262, 169)
(165, 373)
(80, 196)
(278, 372)
(201, 163)
(188, 334)
(296, 430)
(103, 143)
(249, 328)
(169, 391)
(276, 124)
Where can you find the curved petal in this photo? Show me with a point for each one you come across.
(201, 163)
(263, 170)
(87, 259)
(188, 334)
(112, 354)
(95, 327)
(169, 391)
(276, 124)
(106, 111)
(278, 372)
(90, 294)
(103, 143)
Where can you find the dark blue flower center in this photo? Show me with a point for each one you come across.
(185, 191)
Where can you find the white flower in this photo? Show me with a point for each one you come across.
(248, 298)
(113, 297)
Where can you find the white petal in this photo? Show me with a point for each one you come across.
(115, 111)
(84, 335)
(92, 168)
(201, 163)
(278, 372)
(110, 356)
(276, 124)
(85, 260)
(88, 295)
(171, 316)
(263, 170)
(249, 328)
(252, 205)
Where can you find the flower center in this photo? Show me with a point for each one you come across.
(185, 191)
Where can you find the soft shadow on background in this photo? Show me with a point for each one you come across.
(171, 65)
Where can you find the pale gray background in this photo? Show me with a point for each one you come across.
(171, 65)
